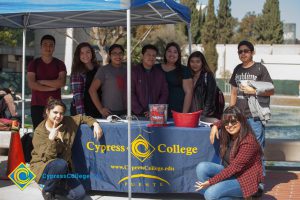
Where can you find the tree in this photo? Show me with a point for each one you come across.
(165, 34)
(209, 37)
(197, 20)
(245, 30)
(10, 37)
(105, 37)
(140, 34)
(268, 28)
(225, 23)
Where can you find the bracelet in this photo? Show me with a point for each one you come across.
(218, 124)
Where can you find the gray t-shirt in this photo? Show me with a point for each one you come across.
(257, 72)
(113, 86)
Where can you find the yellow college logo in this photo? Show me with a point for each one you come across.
(141, 148)
(21, 176)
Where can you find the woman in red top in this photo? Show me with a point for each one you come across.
(241, 169)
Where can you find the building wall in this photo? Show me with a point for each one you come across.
(11, 58)
(282, 61)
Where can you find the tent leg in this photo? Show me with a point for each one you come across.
(190, 38)
(129, 99)
(23, 77)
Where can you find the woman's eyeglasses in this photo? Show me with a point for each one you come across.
(244, 51)
(231, 121)
(117, 53)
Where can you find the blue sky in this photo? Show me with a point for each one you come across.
(289, 10)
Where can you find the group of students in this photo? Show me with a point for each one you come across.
(102, 91)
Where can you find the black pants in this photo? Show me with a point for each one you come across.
(37, 113)
(53, 180)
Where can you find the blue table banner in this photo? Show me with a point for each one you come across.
(164, 159)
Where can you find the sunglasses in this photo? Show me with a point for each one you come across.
(244, 51)
(231, 121)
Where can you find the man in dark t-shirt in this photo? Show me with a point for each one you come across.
(46, 76)
(247, 71)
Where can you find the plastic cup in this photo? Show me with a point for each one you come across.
(158, 114)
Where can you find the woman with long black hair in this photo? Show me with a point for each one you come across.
(205, 86)
(241, 170)
(179, 79)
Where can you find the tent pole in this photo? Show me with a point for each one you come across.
(129, 99)
(190, 38)
(23, 77)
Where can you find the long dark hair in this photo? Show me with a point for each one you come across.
(205, 67)
(233, 112)
(178, 64)
(77, 65)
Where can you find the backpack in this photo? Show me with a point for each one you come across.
(219, 101)
(27, 145)
(3, 107)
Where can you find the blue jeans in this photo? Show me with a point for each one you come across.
(58, 167)
(259, 131)
(228, 189)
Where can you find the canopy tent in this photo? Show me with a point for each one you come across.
(37, 14)
(33, 14)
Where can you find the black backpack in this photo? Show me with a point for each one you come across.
(27, 145)
(3, 107)
(219, 101)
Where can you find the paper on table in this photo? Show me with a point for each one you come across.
(108, 121)
(207, 124)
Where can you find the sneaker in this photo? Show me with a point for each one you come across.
(261, 186)
(48, 196)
